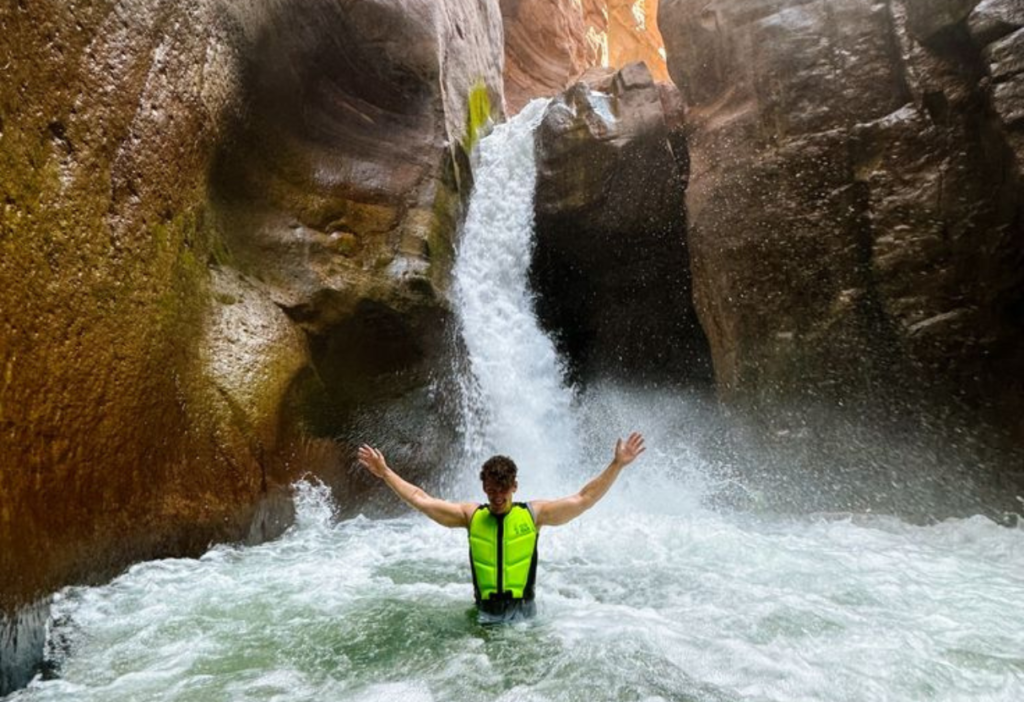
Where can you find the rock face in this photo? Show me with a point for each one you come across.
(611, 256)
(341, 188)
(856, 198)
(206, 212)
(549, 44)
(633, 36)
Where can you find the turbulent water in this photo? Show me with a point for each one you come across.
(649, 596)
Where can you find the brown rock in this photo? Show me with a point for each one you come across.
(109, 118)
(928, 18)
(547, 46)
(341, 187)
(994, 19)
(610, 223)
(151, 397)
(839, 169)
(633, 36)
(1005, 59)
(357, 130)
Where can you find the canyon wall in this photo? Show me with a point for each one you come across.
(223, 227)
(856, 201)
(611, 267)
(549, 44)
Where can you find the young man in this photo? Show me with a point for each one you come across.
(503, 533)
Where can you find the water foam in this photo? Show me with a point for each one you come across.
(521, 406)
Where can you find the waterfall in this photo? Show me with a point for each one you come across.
(516, 403)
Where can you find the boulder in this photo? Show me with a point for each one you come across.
(611, 254)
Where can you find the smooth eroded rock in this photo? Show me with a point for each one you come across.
(548, 43)
(202, 208)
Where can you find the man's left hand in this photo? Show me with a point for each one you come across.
(627, 452)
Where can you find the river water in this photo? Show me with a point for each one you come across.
(652, 595)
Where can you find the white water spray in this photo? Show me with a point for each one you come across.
(517, 403)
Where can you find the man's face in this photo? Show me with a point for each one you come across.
(499, 497)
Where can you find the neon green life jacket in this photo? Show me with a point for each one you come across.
(509, 540)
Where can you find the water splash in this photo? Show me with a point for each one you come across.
(516, 402)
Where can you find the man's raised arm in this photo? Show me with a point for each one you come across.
(449, 514)
(555, 512)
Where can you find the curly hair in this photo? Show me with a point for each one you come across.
(501, 470)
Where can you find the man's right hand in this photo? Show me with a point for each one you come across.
(449, 514)
(373, 460)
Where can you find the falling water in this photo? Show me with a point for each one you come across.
(649, 596)
(517, 400)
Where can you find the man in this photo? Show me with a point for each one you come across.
(502, 533)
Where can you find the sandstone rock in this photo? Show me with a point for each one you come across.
(943, 237)
(547, 45)
(109, 117)
(344, 178)
(840, 167)
(150, 396)
(633, 36)
(341, 187)
(610, 223)
(250, 354)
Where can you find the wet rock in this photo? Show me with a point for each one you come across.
(340, 190)
(198, 205)
(856, 213)
(110, 115)
(928, 18)
(611, 254)
(22, 640)
(994, 19)
(344, 178)
(1005, 59)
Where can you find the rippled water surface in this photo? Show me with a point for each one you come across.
(632, 606)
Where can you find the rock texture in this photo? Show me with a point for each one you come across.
(633, 36)
(856, 198)
(341, 188)
(549, 44)
(611, 257)
(204, 209)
